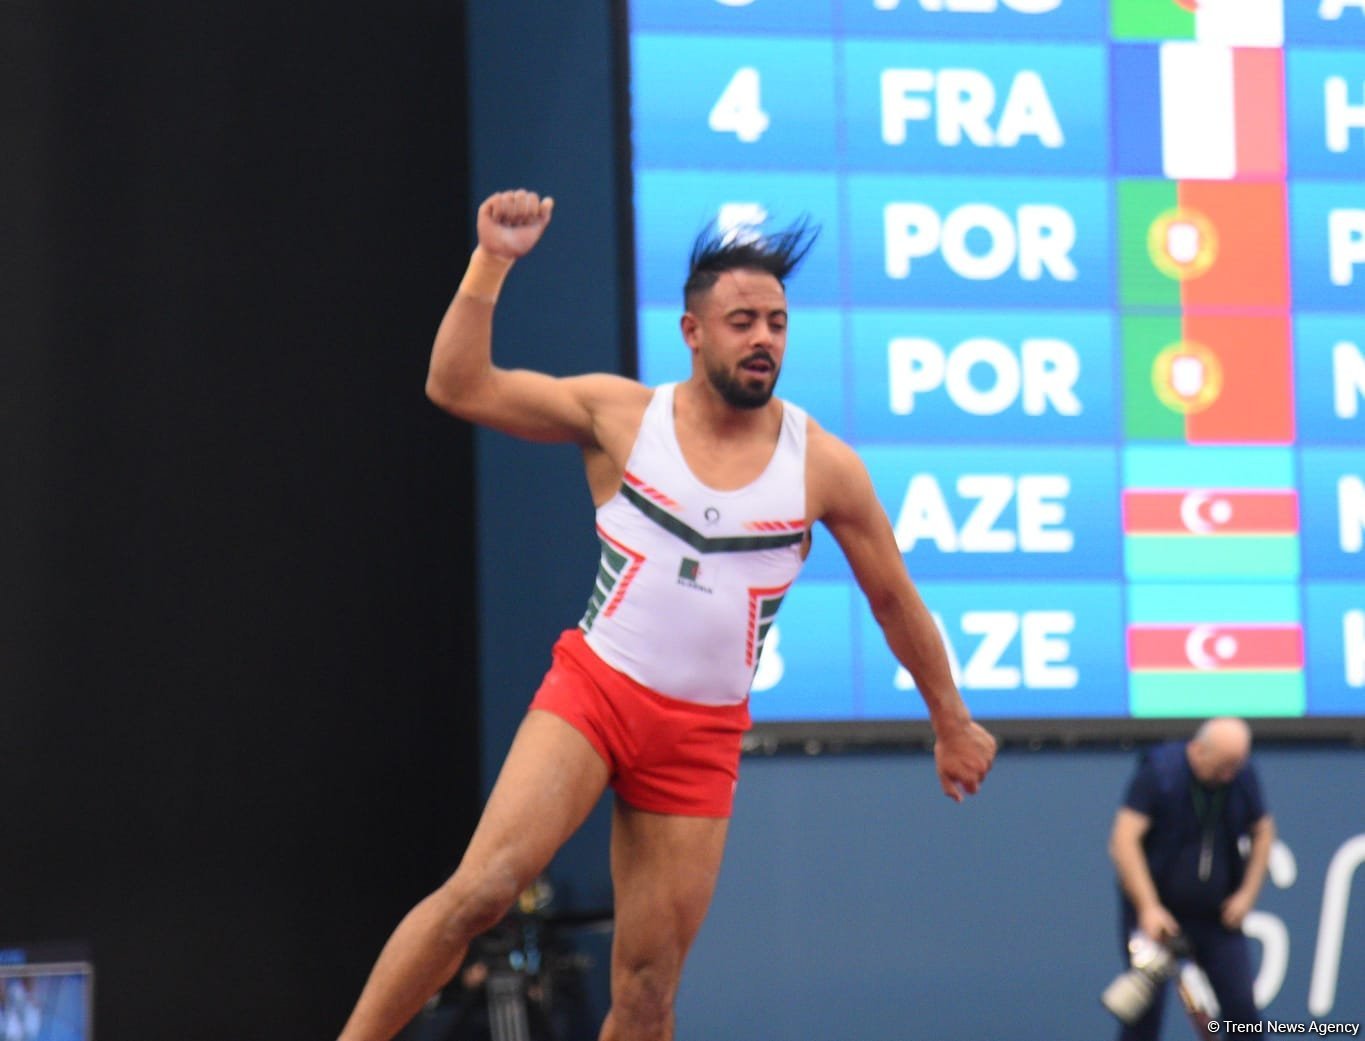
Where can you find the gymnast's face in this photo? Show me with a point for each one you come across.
(737, 331)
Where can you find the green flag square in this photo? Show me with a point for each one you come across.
(1151, 20)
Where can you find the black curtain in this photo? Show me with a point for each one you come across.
(238, 695)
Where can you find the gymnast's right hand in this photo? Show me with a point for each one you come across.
(511, 223)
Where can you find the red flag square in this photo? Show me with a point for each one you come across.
(1254, 401)
(1249, 265)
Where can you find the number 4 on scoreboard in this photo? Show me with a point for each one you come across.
(739, 109)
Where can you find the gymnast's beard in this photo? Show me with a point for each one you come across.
(740, 389)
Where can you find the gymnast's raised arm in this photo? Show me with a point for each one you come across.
(462, 378)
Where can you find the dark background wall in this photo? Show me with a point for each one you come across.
(238, 720)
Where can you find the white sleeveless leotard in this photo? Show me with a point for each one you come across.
(690, 578)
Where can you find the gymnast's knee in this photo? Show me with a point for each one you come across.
(472, 901)
(642, 997)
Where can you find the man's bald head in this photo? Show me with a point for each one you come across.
(1219, 750)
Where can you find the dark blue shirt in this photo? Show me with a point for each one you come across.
(1185, 815)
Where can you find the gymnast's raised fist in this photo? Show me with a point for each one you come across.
(511, 223)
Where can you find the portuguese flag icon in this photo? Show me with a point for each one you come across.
(1215, 379)
(1203, 245)
(1236, 23)
(1207, 339)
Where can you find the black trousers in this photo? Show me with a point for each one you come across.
(1225, 957)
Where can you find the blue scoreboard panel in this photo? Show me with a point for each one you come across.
(1088, 300)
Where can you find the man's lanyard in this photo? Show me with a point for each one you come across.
(1207, 807)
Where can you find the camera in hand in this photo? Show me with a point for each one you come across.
(1153, 963)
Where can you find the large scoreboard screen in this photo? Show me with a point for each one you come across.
(1088, 300)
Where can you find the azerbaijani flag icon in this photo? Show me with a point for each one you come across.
(1206, 650)
(1236, 23)
(1211, 532)
(1205, 647)
(1224, 514)
(1196, 111)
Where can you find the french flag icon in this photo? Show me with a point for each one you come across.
(1195, 111)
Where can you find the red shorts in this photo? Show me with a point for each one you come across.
(665, 755)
